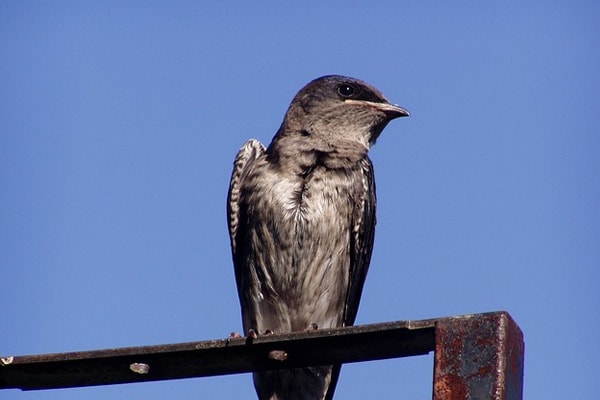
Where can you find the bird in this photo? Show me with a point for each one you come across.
(301, 220)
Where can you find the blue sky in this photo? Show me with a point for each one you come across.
(119, 123)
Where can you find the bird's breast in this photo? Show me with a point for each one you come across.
(312, 199)
(299, 234)
(309, 219)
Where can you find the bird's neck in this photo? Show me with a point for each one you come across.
(298, 152)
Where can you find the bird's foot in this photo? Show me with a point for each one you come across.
(232, 335)
(253, 334)
(313, 327)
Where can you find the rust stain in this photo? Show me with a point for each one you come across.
(450, 387)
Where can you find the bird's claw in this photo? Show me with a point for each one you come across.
(232, 335)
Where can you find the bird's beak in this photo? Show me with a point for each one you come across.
(391, 110)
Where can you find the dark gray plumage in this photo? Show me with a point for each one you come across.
(302, 219)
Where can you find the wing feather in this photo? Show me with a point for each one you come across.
(243, 164)
(361, 246)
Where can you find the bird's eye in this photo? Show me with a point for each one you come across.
(346, 90)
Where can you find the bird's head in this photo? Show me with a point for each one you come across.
(335, 109)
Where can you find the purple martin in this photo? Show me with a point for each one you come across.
(301, 217)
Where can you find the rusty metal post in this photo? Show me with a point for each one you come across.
(478, 357)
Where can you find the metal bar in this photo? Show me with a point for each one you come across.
(478, 357)
(217, 357)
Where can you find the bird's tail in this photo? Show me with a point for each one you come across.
(312, 383)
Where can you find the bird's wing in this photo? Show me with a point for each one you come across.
(361, 247)
(244, 161)
(361, 241)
